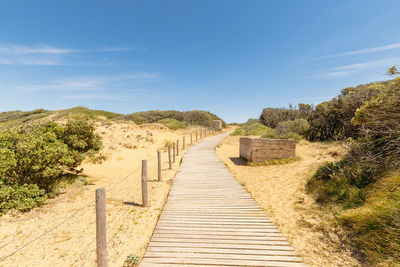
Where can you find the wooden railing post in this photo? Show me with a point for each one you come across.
(145, 198)
(183, 143)
(201, 133)
(196, 135)
(159, 165)
(191, 139)
(101, 237)
(173, 153)
(169, 157)
(177, 147)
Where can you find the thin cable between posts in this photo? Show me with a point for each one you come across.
(45, 233)
(59, 224)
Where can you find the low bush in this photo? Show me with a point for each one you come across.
(35, 157)
(374, 228)
(21, 197)
(258, 129)
(173, 124)
(293, 136)
(255, 129)
(298, 126)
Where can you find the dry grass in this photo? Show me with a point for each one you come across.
(279, 190)
(129, 226)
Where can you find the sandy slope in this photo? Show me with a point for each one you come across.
(129, 226)
(279, 190)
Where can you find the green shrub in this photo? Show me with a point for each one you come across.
(255, 129)
(293, 136)
(21, 197)
(271, 117)
(173, 124)
(40, 154)
(340, 183)
(131, 260)
(375, 227)
(298, 126)
(258, 129)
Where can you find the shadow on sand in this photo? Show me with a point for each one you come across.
(238, 161)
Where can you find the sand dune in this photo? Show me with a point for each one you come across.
(129, 226)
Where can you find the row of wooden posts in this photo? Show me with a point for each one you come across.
(101, 241)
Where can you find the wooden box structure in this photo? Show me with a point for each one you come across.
(218, 125)
(262, 149)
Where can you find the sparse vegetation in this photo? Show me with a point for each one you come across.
(274, 162)
(131, 260)
(194, 117)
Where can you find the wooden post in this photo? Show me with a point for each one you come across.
(177, 147)
(201, 133)
(173, 153)
(169, 157)
(183, 143)
(205, 132)
(101, 238)
(159, 165)
(191, 139)
(196, 135)
(145, 199)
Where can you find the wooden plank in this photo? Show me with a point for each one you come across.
(217, 256)
(238, 245)
(232, 240)
(214, 262)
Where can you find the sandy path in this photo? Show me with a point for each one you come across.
(129, 226)
(279, 190)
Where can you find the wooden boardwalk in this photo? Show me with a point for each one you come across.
(210, 220)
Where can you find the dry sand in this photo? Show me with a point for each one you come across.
(129, 226)
(280, 191)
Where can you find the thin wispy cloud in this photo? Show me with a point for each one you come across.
(346, 70)
(355, 52)
(31, 60)
(47, 55)
(94, 97)
(7, 49)
(363, 51)
(117, 49)
(91, 83)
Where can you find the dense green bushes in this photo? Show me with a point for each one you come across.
(331, 120)
(194, 117)
(33, 158)
(271, 117)
(298, 126)
(363, 188)
(258, 129)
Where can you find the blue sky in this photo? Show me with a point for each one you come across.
(230, 57)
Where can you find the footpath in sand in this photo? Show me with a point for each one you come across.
(209, 219)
